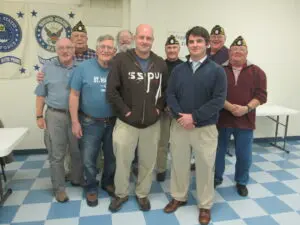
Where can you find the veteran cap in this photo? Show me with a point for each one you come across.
(239, 41)
(217, 30)
(79, 27)
(172, 40)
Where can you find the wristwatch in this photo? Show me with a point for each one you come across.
(39, 117)
(249, 108)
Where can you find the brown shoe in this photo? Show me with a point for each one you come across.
(61, 196)
(116, 203)
(110, 189)
(144, 203)
(173, 206)
(204, 216)
(92, 199)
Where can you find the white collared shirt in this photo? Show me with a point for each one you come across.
(196, 64)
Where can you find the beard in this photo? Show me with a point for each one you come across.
(125, 47)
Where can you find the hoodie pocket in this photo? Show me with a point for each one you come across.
(151, 115)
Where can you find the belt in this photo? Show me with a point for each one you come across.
(104, 119)
(58, 110)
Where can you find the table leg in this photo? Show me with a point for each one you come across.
(285, 125)
(3, 196)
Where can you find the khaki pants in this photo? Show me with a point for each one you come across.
(125, 140)
(163, 146)
(57, 137)
(203, 142)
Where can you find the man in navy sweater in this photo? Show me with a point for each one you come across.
(195, 95)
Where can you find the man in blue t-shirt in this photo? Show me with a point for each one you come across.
(93, 125)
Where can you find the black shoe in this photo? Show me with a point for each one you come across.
(144, 203)
(242, 190)
(160, 177)
(67, 177)
(135, 171)
(193, 166)
(92, 199)
(116, 203)
(217, 183)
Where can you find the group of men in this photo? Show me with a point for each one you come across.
(134, 106)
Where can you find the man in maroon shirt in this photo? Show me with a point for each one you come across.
(247, 89)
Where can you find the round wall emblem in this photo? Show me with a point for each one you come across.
(10, 33)
(51, 28)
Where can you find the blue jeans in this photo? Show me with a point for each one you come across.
(243, 139)
(97, 134)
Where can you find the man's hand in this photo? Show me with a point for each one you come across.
(240, 110)
(189, 127)
(158, 112)
(128, 114)
(41, 123)
(186, 120)
(40, 76)
(233, 107)
(76, 130)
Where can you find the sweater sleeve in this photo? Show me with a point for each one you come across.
(217, 101)
(172, 101)
(113, 88)
(260, 92)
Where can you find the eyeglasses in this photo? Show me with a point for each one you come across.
(68, 48)
(216, 37)
(103, 47)
(238, 49)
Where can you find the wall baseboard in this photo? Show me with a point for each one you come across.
(256, 140)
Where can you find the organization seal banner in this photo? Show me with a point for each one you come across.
(12, 31)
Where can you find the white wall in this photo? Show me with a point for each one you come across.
(270, 27)
(17, 100)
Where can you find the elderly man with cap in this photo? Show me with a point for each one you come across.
(195, 95)
(172, 49)
(79, 38)
(217, 51)
(247, 89)
(54, 92)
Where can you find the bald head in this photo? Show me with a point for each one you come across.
(143, 40)
(63, 42)
(144, 28)
(65, 50)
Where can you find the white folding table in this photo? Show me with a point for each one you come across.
(274, 112)
(9, 139)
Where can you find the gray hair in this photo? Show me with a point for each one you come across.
(123, 31)
(103, 38)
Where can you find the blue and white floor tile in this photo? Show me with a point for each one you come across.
(274, 196)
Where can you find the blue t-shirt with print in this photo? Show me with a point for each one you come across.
(89, 78)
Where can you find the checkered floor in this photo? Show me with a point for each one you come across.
(274, 196)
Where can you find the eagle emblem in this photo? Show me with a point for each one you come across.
(51, 28)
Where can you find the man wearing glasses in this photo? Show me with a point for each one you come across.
(247, 89)
(54, 92)
(217, 51)
(93, 125)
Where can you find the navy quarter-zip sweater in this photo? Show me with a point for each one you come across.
(201, 94)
